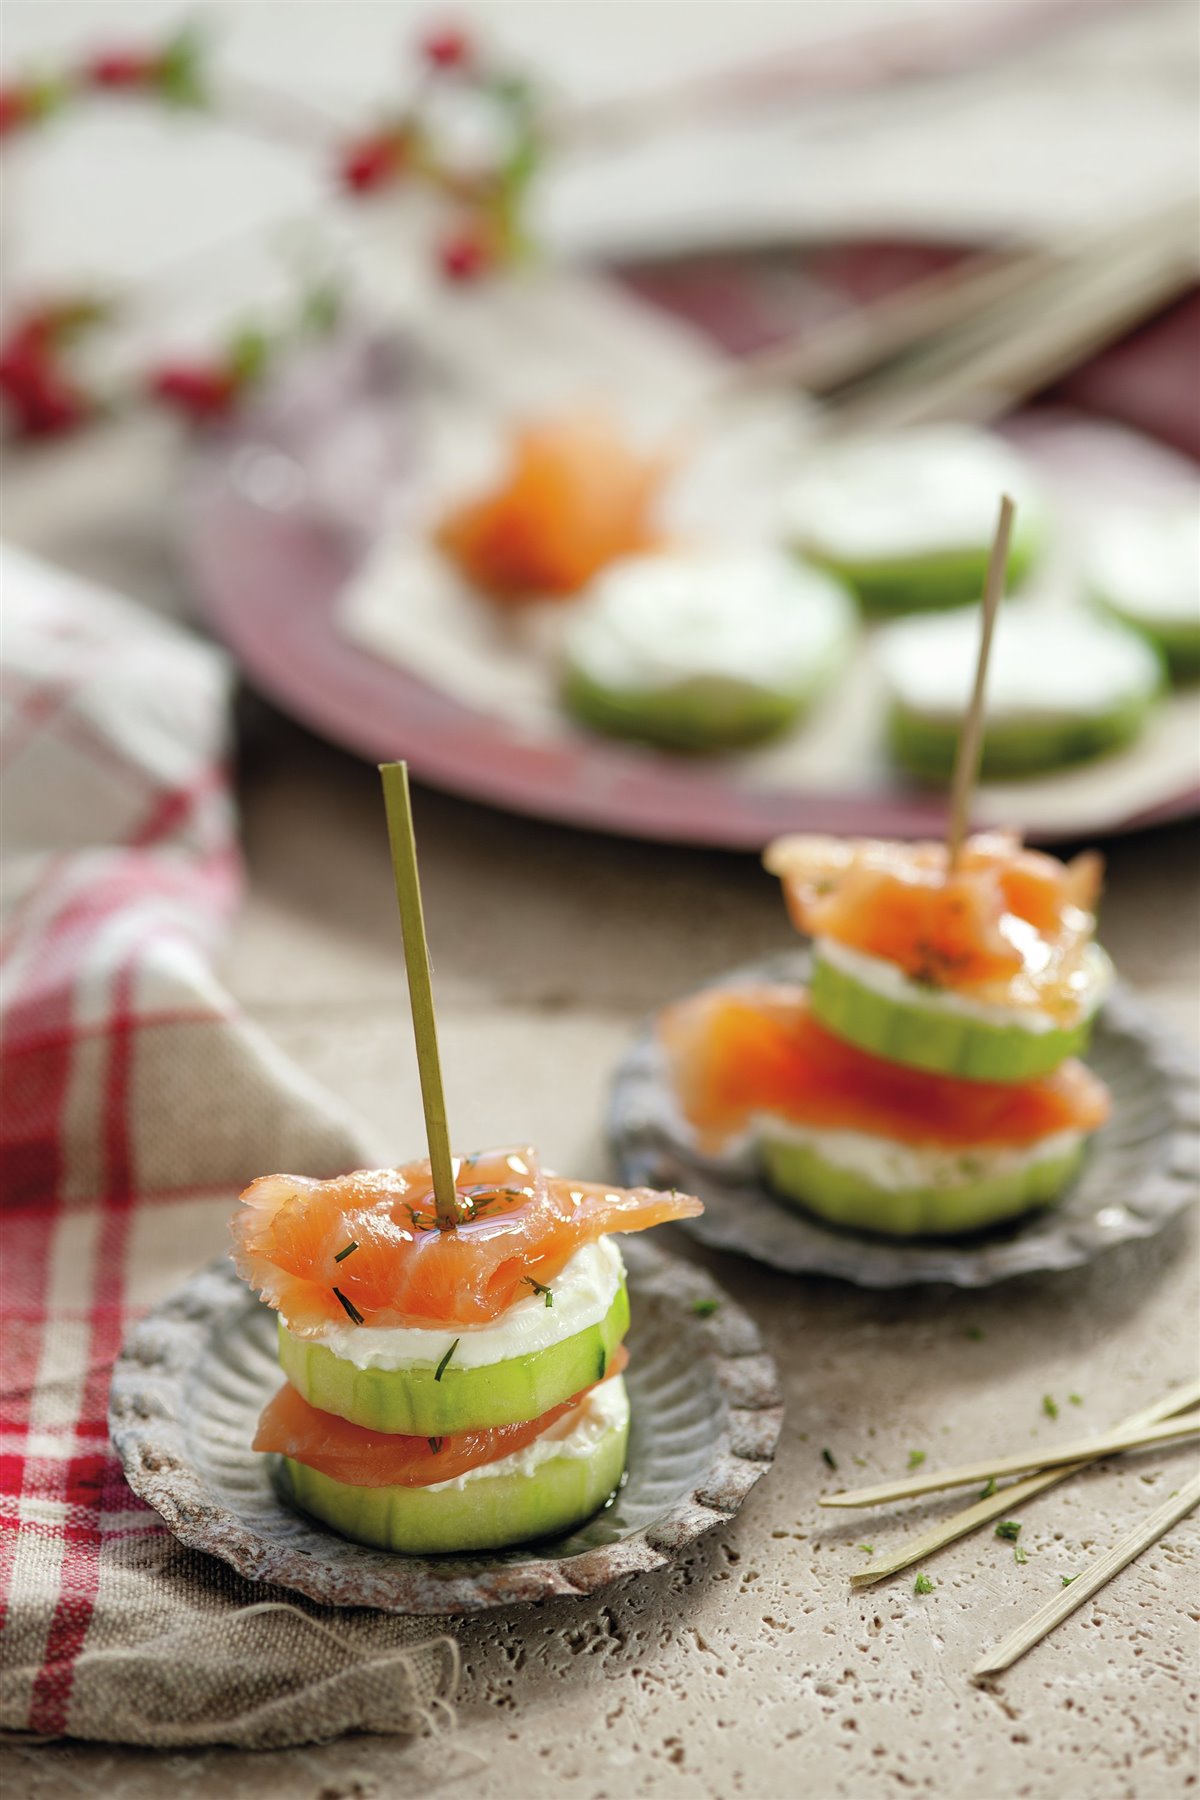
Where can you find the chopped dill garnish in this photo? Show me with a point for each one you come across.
(349, 1250)
(1020, 1555)
(705, 1307)
(1075, 1399)
(923, 1585)
(1050, 1406)
(828, 1458)
(441, 1368)
(349, 1306)
(867, 1549)
(1010, 1529)
(975, 1333)
(1066, 1580)
(915, 1458)
(539, 1289)
(435, 1444)
(985, 1493)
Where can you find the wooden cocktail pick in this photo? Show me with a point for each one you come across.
(970, 740)
(398, 803)
(1090, 1581)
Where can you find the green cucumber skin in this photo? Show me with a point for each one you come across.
(486, 1514)
(930, 583)
(414, 1403)
(695, 716)
(942, 1043)
(803, 1178)
(926, 747)
(1177, 642)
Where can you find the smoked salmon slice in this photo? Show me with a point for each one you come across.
(1010, 924)
(737, 1053)
(576, 498)
(289, 1426)
(519, 1226)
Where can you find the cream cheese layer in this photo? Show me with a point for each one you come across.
(891, 983)
(576, 1434)
(580, 1295)
(898, 1167)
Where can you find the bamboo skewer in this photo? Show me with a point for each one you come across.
(1109, 1443)
(970, 739)
(1090, 1581)
(398, 803)
(1006, 1499)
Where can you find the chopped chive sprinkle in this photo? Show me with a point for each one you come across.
(867, 1549)
(349, 1250)
(539, 1289)
(975, 1333)
(441, 1368)
(1050, 1406)
(985, 1493)
(827, 1457)
(1066, 1580)
(915, 1458)
(349, 1306)
(435, 1444)
(1010, 1529)
(1019, 1554)
(705, 1308)
(923, 1585)
(1075, 1399)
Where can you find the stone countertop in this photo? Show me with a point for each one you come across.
(750, 1668)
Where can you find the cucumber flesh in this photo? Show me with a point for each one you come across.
(486, 1513)
(415, 1403)
(698, 715)
(928, 583)
(934, 1038)
(926, 747)
(843, 1197)
(1176, 640)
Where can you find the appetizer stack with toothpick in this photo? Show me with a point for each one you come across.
(452, 1329)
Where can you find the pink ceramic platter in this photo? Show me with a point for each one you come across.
(268, 573)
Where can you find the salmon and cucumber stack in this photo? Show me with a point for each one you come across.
(452, 1330)
(923, 1082)
(449, 1387)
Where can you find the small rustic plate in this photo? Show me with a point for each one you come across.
(194, 1375)
(1141, 1170)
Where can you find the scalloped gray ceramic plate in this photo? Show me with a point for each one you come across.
(194, 1375)
(1142, 1168)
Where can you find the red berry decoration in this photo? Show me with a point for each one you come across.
(466, 257)
(447, 48)
(373, 162)
(122, 69)
(200, 391)
(15, 110)
(40, 398)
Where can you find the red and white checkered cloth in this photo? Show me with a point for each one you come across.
(135, 1104)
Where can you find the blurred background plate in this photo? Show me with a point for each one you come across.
(271, 570)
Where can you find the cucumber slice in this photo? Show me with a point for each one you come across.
(932, 583)
(704, 653)
(486, 1513)
(1143, 567)
(414, 1402)
(922, 1034)
(926, 747)
(801, 1176)
(906, 518)
(1062, 687)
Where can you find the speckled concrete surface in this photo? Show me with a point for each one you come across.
(750, 1668)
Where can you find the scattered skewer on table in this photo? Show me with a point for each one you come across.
(1171, 1419)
